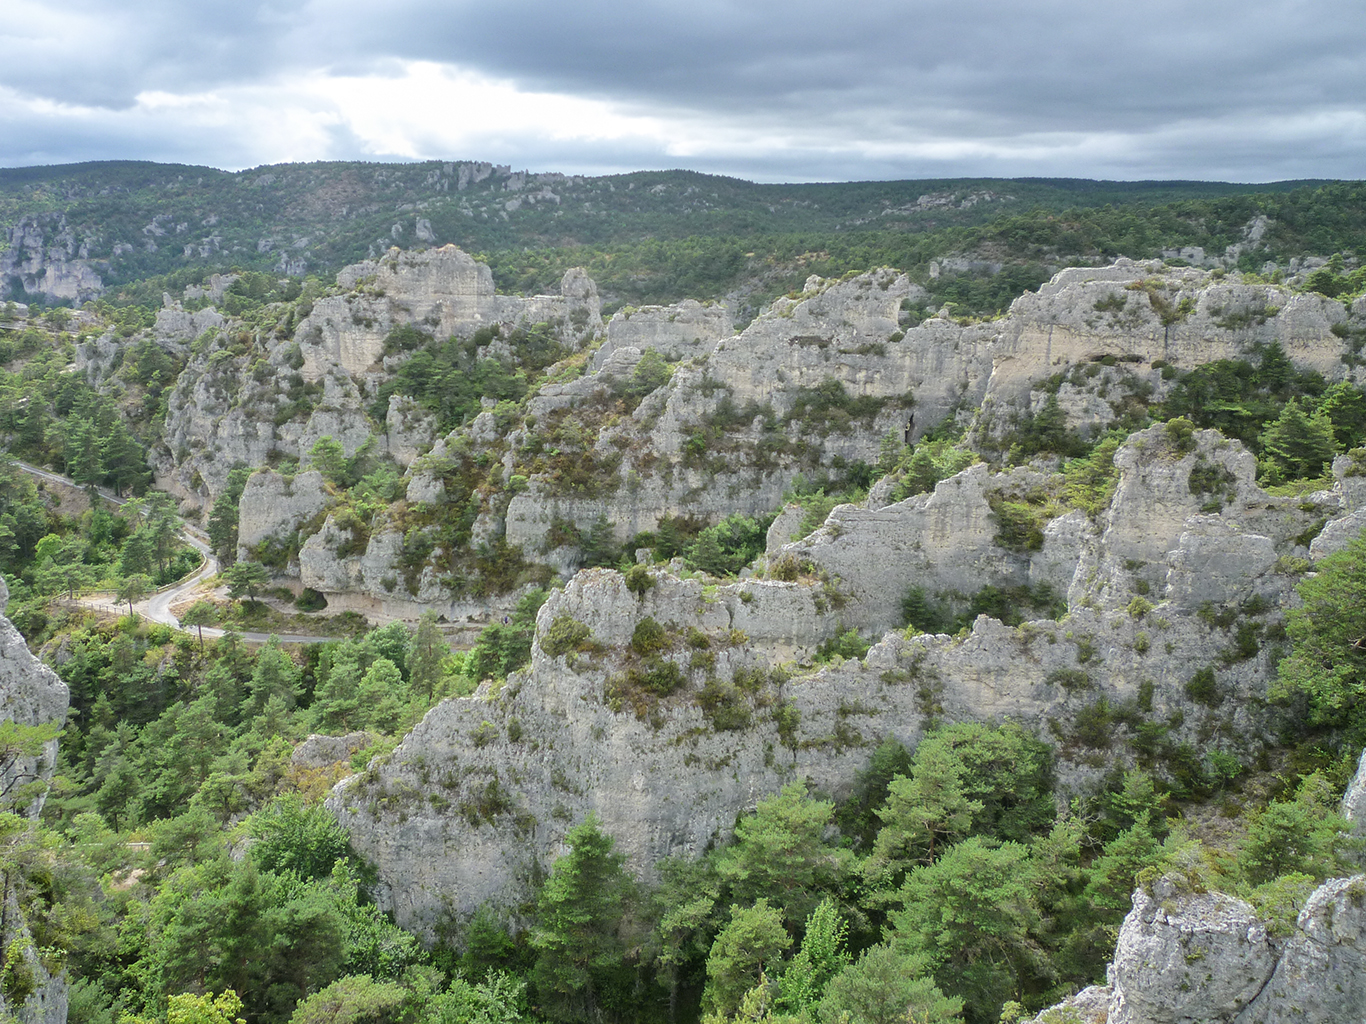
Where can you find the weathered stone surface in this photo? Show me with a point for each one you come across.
(31, 694)
(409, 430)
(176, 324)
(1064, 540)
(1187, 958)
(44, 255)
(684, 331)
(319, 751)
(782, 530)
(444, 291)
(1214, 561)
(944, 541)
(1354, 800)
(273, 505)
(1321, 975)
(1337, 534)
(1089, 1006)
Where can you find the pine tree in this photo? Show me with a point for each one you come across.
(577, 915)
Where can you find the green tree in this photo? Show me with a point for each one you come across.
(1305, 836)
(133, 589)
(188, 1008)
(246, 579)
(970, 915)
(293, 836)
(123, 459)
(383, 695)
(822, 956)
(780, 853)
(223, 517)
(1325, 674)
(84, 463)
(328, 457)
(336, 701)
(200, 614)
(887, 987)
(1298, 444)
(578, 912)
(275, 675)
(924, 813)
(426, 655)
(354, 999)
(755, 937)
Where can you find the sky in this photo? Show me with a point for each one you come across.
(1249, 91)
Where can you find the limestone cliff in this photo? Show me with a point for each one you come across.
(1190, 957)
(668, 747)
(45, 256)
(31, 694)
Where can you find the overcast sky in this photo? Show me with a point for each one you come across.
(1252, 90)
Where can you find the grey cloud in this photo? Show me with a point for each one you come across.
(1178, 88)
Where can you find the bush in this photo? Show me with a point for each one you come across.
(565, 634)
(847, 644)
(649, 637)
(638, 580)
(1204, 689)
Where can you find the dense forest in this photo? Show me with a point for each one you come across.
(184, 868)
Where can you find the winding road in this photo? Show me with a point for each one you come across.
(157, 606)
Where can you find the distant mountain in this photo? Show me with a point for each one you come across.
(75, 232)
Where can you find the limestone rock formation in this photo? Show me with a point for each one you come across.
(579, 728)
(679, 332)
(44, 256)
(444, 291)
(1188, 958)
(273, 505)
(30, 694)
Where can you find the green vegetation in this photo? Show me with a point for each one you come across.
(184, 869)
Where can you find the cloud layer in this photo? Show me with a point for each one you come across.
(1250, 91)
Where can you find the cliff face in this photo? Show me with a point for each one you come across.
(811, 388)
(31, 694)
(479, 796)
(45, 257)
(1187, 957)
(257, 398)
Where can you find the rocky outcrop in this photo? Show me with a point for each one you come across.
(1354, 800)
(319, 751)
(31, 694)
(44, 257)
(684, 331)
(442, 291)
(578, 730)
(732, 432)
(1160, 534)
(273, 505)
(1320, 977)
(1187, 957)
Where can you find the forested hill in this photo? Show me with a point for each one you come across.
(648, 236)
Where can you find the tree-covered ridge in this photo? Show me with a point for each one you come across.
(647, 236)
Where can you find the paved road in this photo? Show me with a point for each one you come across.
(157, 607)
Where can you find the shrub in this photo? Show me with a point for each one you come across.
(649, 637)
(1204, 689)
(309, 600)
(639, 580)
(565, 634)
